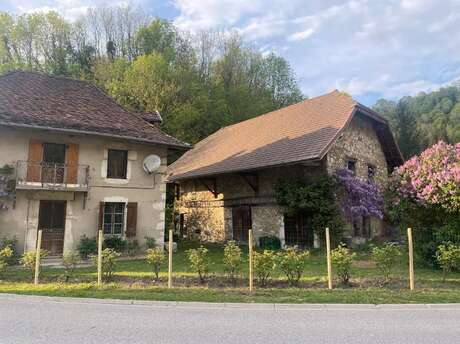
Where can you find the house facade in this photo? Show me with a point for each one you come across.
(78, 160)
(226, 184)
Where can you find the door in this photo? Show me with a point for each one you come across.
(53, 169)
(242, 223)
(51, 220)
(298, 231)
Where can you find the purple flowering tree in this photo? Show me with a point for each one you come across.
(361, 198)
(432, 178)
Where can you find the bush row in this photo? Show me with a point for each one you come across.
(290, 262)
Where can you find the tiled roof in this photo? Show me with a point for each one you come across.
(299, 132)
(32, 99)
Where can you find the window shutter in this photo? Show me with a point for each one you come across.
(72, 163)
(131, 220)
(101, 215)
(35, 157)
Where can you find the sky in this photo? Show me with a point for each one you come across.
(367, 48)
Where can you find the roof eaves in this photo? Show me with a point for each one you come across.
(181, 145)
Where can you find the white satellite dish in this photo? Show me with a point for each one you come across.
(151, 163)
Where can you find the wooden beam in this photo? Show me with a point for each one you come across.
(211, 185)
(253, 180)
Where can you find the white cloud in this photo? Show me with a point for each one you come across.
(299, 36)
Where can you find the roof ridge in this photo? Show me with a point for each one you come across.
(61, 77)
(307, 100)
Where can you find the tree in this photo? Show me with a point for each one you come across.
(432, 178)
(421, 121)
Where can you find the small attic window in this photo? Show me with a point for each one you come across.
(351, 165)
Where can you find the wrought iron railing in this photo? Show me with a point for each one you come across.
(43, 175)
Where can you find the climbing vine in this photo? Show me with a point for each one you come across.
(359, 198)
(316, 199)
(6, 185)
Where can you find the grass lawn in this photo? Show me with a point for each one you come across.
(134, 280)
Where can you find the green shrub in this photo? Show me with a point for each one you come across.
(156, 258)
(28, 260)
(150, 242)
(385, 257)
(70, 260)
(232, 259)
(269, 242)
(87, 247)
(12, 243)
(5, 254)
(291, 261)
(199, 262)
(116, 243)
(132, 247)
(342, 258)
(109, 260)
(448, 258)
(264, 265)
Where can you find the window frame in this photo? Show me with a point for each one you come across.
(111, 174)
(113, 213)
(353, 161)
(373, 168)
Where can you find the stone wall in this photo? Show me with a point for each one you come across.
(360, 143)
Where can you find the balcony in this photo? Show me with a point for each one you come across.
(32, 175)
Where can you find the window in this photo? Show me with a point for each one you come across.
(117, 163)
(362, 227)
(114, 218)
(53, 169)
(370, 173)
(351, 165)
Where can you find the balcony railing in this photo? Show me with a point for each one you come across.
(51, 176)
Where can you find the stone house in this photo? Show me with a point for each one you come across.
(229, 178)
(78, 164)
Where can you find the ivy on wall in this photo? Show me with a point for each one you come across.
(316, 199)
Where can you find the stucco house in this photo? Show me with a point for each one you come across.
(230, 176)
(78, 163)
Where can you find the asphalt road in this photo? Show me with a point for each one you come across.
(26, 319)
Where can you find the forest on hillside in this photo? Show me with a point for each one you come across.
(198, 82)
(420, 121)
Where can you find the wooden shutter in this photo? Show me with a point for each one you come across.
(131, 220)
(34, 159)
(101, 216)
(72, 163)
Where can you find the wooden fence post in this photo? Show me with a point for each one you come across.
(411, 259)
(329, 262)
(38, 256)
(99, 257)
(170, 258)
(251, 272)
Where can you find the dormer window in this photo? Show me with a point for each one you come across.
(117, 164)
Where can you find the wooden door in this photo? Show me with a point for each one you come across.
(51, 220)
(242, 222)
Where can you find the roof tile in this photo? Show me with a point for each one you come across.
(34, 99)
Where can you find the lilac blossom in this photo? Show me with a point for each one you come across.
(432, 178)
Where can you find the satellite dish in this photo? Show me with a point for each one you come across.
(151, 163)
